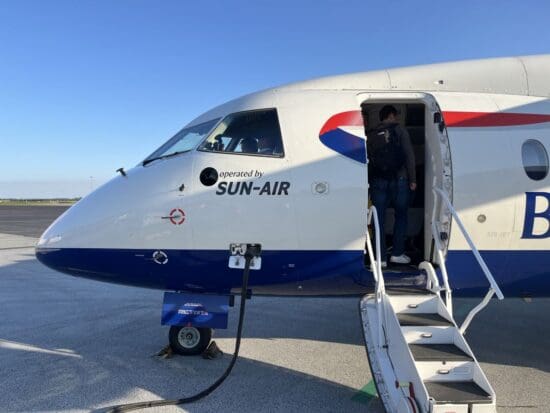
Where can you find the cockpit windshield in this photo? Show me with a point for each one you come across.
(183, 141)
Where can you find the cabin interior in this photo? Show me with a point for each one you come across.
(412, 116)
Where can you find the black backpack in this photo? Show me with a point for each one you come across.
(386, 155)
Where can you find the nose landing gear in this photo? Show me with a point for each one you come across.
(189, 341)
(192, 338)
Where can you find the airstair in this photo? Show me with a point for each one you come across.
(419, 358)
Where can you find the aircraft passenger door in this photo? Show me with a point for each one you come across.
(438, 174)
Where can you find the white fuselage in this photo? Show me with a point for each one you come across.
(308, 208)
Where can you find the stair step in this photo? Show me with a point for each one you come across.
(429, 334)
(408, 290)
(422, 319)
(457, 392)
(417, 303)
(438, 352)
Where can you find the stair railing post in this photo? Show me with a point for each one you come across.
(494, 289)
(471, 244)
(440, 257)
(475, 310)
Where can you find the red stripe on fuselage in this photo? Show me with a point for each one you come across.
(487, 119)
(351, 118)
(452, 119)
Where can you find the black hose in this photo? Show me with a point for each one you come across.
(206, 392)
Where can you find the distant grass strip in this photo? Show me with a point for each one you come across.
(38, 202)
(366, 394)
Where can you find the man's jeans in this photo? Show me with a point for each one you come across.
(385, 192)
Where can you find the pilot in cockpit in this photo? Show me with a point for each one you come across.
(266, 145)
(249, 145)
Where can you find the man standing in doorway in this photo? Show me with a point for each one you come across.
(392, 176)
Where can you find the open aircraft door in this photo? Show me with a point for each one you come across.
(420, 115)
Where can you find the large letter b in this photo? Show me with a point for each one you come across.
(531, 215)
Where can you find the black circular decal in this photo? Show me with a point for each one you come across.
(209, 176)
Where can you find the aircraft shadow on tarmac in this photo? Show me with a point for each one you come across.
(68, 343)
(105, 381)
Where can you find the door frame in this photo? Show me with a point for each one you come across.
(438, 162)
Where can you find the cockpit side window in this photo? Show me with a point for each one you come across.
(254, 132)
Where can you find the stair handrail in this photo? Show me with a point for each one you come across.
(432, 281)
(376, 266)
(478, 256)
(495, 289)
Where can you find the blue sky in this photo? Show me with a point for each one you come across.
(89, 86)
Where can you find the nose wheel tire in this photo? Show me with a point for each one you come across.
(189, 341)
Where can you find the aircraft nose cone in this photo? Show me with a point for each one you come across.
(50, 258)
(49, 246)
(63, 246)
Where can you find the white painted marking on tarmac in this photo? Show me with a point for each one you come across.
(13, 345)
(10, 241)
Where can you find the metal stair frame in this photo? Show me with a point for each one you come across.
(450, 334)
(379, 355)
(386, 339)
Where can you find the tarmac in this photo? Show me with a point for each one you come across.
(74, 345)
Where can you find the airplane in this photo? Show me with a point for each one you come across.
(286, 168)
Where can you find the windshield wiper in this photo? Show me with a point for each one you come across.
(148, 161)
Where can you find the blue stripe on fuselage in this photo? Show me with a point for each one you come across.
(518, 273)
(291, 272)
(205, 270)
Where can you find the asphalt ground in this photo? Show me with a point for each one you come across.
(69, 344)
(29, 221)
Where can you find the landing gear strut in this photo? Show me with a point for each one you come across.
(189, 341)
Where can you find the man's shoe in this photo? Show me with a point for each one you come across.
(400, 259)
